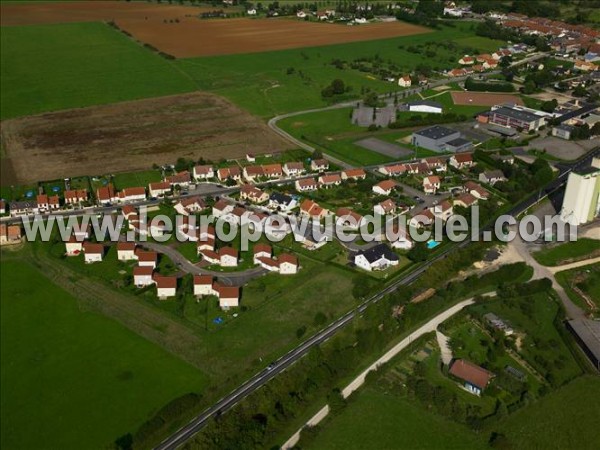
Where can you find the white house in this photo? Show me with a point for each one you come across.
(190, 205)
(492, 176)
(159, 189)
(293, 169)
(379, 257)
(126, 251)
(404, 81)
(229, 296)
(221, 208)
(228, 257)
(399, 238)
(203, 285)
(203, 172)
(431, 184)
(385, 187)
(348, 218)
(462, 160)
(307, 184)
(443, 210)
(354, 174)
(73, 246)
(93, 252)
(146, 258)
(385, 207)
(143, 276)
(166, 286)
(288, 264)
(132, 194)
(282, 202)
(262, 251)
(330, 180)
(319, 165)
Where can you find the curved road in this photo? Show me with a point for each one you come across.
(229, 278)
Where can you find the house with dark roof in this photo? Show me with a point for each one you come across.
(282, 202)
(379, 257)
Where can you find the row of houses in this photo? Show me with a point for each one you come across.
(329, 180)
(44, 203)
(428, 166)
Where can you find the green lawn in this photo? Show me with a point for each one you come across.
(376, 420)
(567, 418)
(568, 252)
(587, 280)
(134, 179)
(53, 67)
(81, 379)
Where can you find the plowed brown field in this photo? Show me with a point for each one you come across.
(130, 136)
(29, 13)
(191, 36)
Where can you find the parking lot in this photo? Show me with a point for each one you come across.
(384, 148)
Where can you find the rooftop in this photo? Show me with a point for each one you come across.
(436, 132)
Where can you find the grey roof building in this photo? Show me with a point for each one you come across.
(440, 139)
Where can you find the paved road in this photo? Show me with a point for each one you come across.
(230, 278)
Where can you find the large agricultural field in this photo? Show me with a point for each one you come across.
(52, 67)
(277, 82)
(131, 136)
(82, 379)
(188, 38)
(41, 13)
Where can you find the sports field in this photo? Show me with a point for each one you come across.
(131, 136)
(484, 98)
(73, 379)
(51, 67)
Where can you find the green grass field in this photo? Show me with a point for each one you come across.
(53, 67)
(261, 84)
(567, 418)
(78, 378)
(377, 420)
(568, 252)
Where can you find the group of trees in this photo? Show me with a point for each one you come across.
(474, 85)
(428, 119)
(584, 131)
(336, 88)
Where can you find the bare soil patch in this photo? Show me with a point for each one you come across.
(194, 37)
(30, 13)
(131, 136)
(484, 98)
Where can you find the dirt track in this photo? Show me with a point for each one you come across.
(484, 98)
(130, 136)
